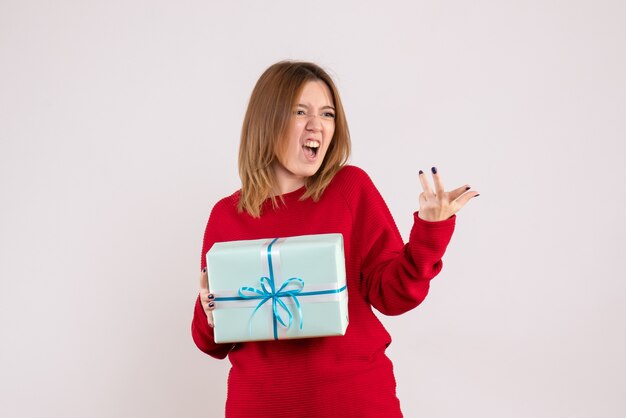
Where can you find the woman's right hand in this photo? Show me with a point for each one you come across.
(206, 297)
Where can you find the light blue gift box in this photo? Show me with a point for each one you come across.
(278, 288)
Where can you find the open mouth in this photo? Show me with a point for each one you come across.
(311, 148)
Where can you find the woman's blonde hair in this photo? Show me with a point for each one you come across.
(263, 134)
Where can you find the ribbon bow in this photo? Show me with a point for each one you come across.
(268, 291)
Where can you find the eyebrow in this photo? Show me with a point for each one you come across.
(323, 107)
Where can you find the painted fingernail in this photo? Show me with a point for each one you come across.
(477, 195)
(204, 270)
(467, 188)
(211, 296)
(211, 304)
(434, 170)
(421, 172)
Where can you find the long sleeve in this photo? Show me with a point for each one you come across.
(201, 332)
(395, 277)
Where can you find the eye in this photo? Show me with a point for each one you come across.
(300, 112)
(330, 115)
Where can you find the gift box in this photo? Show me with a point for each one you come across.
(278, 288)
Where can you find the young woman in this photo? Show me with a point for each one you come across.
(294, 147)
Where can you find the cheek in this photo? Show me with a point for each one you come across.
(293, 139)
(329, 132)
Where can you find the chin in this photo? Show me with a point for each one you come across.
(312, 171)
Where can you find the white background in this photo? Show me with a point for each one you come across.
(119, 129)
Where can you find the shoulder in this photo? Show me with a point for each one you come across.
(351, 175)
(354, 186)
(226, 204)
(352, 181)
(222, 215)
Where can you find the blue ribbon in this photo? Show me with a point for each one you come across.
(275, 296)
(268, 291)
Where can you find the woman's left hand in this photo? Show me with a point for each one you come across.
(441, 205)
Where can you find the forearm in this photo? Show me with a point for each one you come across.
(402, 283)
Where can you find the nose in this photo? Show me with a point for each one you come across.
(314, 124)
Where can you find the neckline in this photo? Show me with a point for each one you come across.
(295, 193)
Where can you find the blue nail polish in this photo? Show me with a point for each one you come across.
(204, 270)
(211, 296)
(434, 170)
(211, 304)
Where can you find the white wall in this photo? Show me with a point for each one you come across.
(119, 127)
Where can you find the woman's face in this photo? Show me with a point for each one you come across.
(309, 133)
